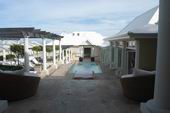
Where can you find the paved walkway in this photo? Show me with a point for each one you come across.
(59, 93)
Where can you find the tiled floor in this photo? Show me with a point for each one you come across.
(59, 93)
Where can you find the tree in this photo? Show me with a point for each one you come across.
(49, 49)
(56, 47)
(37, 49)
(18, 50)
(10, 57)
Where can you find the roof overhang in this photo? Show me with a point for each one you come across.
(132, 36)
(142, 35)
(118, 38)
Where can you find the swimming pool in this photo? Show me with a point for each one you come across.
(84, 67)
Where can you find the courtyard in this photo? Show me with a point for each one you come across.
(59, 93)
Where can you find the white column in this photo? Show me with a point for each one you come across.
(161, 100)
(54, 53)
(69, 55)
(4, 52)
(82, 51)
(66, 56)
(92, 52)
(26, 54)
(137, 54)
(60, 50)
(63, 58)
(44, 55)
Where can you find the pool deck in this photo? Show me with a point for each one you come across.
(59, 93)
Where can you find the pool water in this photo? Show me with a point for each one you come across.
(84, 67)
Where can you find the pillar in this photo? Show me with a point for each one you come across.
(60, 51)
(92, 52)
(26, 54)
(161, 101)
(69, 55)
(63, 57)
(45, 71)
(82, 51)
(4, 52)
(66, 58)
(54, 53)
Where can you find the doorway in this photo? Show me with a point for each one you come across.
(131, 61)
(87, 52)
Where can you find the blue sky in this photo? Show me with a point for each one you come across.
(103, 16)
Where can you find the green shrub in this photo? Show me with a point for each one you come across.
(10, 57)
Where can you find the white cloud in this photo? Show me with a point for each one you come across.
(58, 15)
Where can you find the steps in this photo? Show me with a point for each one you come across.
(84, 75)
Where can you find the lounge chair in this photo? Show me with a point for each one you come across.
(16, 87)
(139, 88)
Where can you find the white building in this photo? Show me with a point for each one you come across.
(81, 44)
(135, 45)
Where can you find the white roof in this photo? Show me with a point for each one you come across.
(146, 29)
(147, 23)
(79, 38)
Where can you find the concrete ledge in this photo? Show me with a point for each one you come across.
(150, 107)
(44, 73)
(3, 105)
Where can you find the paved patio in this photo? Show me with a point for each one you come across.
(59, 93)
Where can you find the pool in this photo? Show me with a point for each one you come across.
(84, 67)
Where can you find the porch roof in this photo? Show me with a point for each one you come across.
(21, 32)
